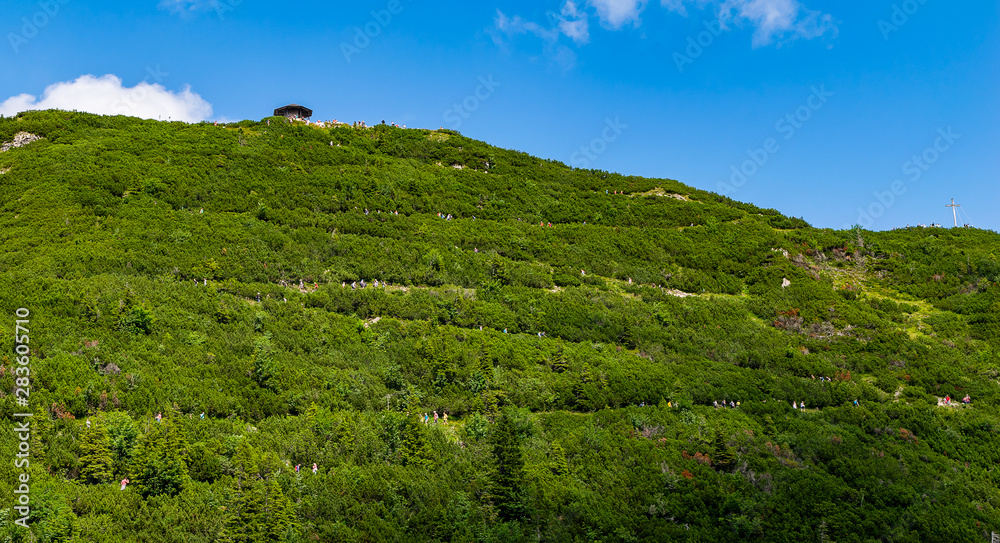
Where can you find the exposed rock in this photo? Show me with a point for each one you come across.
(20, 140)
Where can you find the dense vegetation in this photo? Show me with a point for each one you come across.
(577, 327)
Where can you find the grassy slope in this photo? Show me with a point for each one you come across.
(109, 220)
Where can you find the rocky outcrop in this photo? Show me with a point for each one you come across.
(20, 140)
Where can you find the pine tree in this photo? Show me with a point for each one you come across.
(725, 459)
(161, 464)
(769, 427)
(345, 435)
(559, 363)
(507, 479)
(265, 372)
(95, 446)
(416, 450)
(244, 522)
(559, 465)
(276, 515)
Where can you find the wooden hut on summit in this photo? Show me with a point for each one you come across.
(294, 111)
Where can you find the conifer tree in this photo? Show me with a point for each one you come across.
(95, 446)
(559, 465)
(769, 427)
(416, 450)
(276, 512)
(725, 459)
(508, 486)
(345, 434)
(244, 522)
(161, 464)
(559, 363)
(265, 372)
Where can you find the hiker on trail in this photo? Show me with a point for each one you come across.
(947, 400)
(446, 418)
(297, 466)
(583, 273)
(855, 403)
(732, 404)
(125, 483)
(505, 330)
(159, 417)
(795, 405)
(435, 417)
(966, 399)
(802, 406)
(716, 402)
(425, 418)
(354, 285)
(315, 468)
(202, 415)
(88, 424)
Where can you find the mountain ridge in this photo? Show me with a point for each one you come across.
(258, 273)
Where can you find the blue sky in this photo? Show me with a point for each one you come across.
(840, 112)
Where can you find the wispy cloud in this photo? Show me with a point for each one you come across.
(570, 21)
(574, 23)
(614, 14)
(106, 95)
(777, 19)
(185, 7)
(773, 21)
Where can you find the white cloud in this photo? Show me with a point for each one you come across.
(188, 6)
(773, 21)
(570, 21)
(107, 96)
(573, 23)
(615, 13)
(777, 18)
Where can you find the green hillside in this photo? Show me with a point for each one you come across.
(578, 328)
